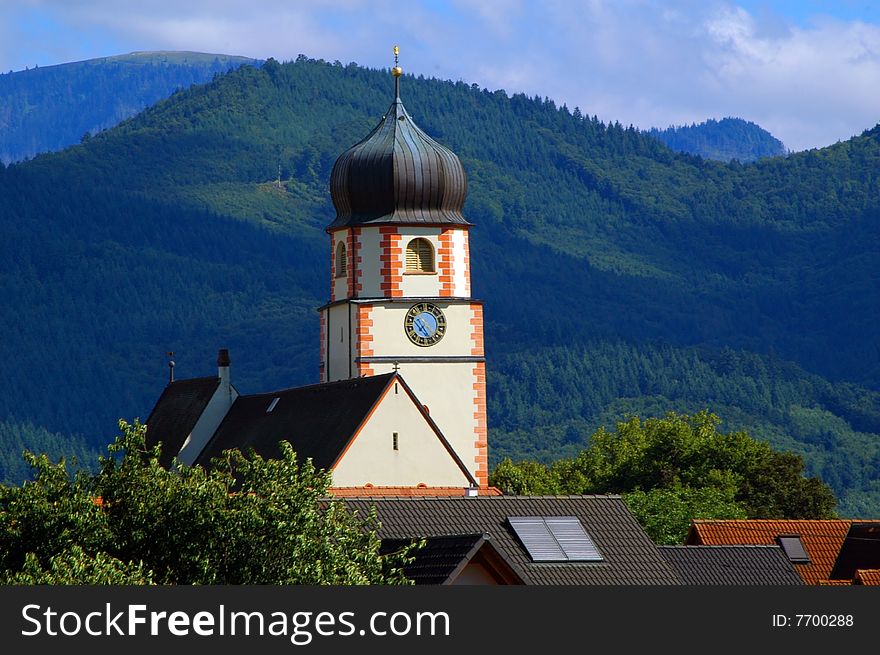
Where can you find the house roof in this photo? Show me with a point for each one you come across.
(318, 420)
(372, 491)
(860, 550)
(176, 413)
(822, 539)
(731, 565)
(443, 558)
(629, 556)
(868, 577)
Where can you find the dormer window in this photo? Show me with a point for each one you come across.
(419, 256)
(341, 260)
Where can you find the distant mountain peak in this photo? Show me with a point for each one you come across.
(51, 107)
(722, 140)
(175, 56)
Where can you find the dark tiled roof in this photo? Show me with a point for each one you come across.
(731, 565)
(860, 550)
(176, 413)
(822, 538)
(629, 555)
(318, 420)
(397, 174)
(441, 559)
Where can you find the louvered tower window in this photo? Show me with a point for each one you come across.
(419, 256)
(341, 260)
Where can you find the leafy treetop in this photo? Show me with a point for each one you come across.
(674, 469)
(247, 520)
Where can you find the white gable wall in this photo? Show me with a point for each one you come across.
(214, 413)
(421, 457)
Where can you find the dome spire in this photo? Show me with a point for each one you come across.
(396, 72)
(397, 174)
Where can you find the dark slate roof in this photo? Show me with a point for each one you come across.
(441, 559)
(176, 413)
(731, 565)
(318, 420)
(630, 557)
(397, 174)
(860, 550)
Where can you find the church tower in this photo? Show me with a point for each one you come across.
(400, 290)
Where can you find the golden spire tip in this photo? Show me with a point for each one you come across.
(397, 71)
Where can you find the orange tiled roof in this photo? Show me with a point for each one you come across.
(380, 492)
(822, 539)
(869, 577)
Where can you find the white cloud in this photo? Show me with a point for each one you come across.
(644, 62)
(807, 84)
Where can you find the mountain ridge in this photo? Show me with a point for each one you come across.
(725, 140)
(51, 107)
(612, 244)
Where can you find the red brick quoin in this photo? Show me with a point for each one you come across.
(392, 261)
(364, 342)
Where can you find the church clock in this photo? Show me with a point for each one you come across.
(424, 324)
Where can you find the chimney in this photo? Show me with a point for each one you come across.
(223, 366)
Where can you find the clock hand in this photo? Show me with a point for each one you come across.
(422, 328)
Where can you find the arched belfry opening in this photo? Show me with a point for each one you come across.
(419, 256)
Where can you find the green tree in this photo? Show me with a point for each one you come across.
(246, 520)
(76, 567)
(666, 512)
(525, 478)
(674, 469)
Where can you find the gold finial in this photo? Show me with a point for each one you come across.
(397, 71)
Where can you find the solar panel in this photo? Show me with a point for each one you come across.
(555, 539)
(793, 548)
(573, 539)
(535, 536)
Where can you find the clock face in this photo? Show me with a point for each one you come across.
(424, 324)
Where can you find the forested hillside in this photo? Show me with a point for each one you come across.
(618, 276)
(724, 140)
(50, 108)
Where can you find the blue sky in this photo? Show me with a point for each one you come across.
(807, 70)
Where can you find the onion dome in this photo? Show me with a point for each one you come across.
(397, 174)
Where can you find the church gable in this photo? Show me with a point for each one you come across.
(369, 430)
(399, 445)
(318, 420)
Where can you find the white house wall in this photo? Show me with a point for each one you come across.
(338, 335)
(420, 458)
(447, 390)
